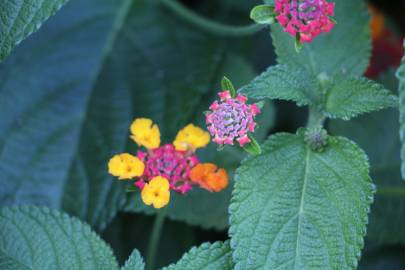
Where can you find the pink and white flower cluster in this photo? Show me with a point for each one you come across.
(231, 119)
(308, 18)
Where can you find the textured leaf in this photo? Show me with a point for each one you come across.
(282, 82)
(401, 78)
(40, 238)
(349, 97)
(45, 89)
(377, 134)
(19, 19)
(134, 262)
(297, 209)
(76, 102)
(346, 49)
(207, 256)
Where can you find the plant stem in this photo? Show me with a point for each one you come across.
(315, 118)
(208, 25)
(154, 239)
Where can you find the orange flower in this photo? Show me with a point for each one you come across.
(377, 22)
(209, 177)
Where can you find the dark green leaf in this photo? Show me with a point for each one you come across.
(19, 19)
(40, 238)
(296, 209)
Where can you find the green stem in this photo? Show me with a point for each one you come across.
(315, 118)
(208, 25)
(154, 239)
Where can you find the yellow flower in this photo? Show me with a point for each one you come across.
(125, 166)
(156, 192)
(145, 133)
(191, 138)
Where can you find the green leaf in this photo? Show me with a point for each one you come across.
(283, 82)
(227, 85)
(127, 65)
(263, 14)
(297, 209)
(134, 262)
(45, 120)
(19, 19)
(253, 147)
(401, 78)
(206, 256)
(40, 238)
(346, 49)
(349, 97)
(377, 134)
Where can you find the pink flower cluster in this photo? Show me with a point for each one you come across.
(173, 165)
(231, 119)
(308, 18)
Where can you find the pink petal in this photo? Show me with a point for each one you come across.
(225, 95)
(243, 140)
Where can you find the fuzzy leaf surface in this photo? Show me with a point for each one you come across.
(350, 97)
(313, 216)
(207, 256)
(19, 19)
(40, 238)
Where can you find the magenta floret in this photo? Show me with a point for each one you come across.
(231, 119)
(308, 18)
(174, 165)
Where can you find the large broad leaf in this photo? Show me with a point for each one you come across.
(18, 19)
(346, 49)
(377, 133)
(40, 238)
(66, 109)
(401, 77)
(206, 256)
(45, 87)
(297, 209)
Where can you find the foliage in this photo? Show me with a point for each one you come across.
(69, 92)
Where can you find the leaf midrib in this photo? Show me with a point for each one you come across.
(302, 202)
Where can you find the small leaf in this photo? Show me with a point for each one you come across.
(286, 83)
(253, 147)
(298, 43)
(207, 256)
(40, 238)
(134, 262)
(263, 14)
(227, 85)
(350, 97)
(293, 208)
(401, 78)
(19, 19)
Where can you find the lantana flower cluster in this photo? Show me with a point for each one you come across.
(305, 19)
(160, 169)
(231, 119)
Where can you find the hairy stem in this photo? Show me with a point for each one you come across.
(315, 118)
(208, 25)
(154, 239)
